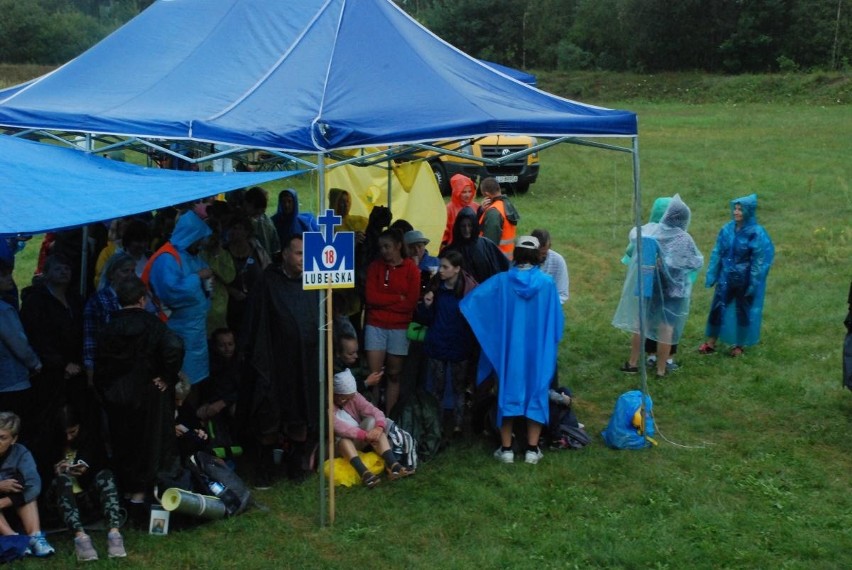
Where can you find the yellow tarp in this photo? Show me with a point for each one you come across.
(414, 195)
(345, 474)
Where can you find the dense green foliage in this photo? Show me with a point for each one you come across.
(719, 36)
(54, 31)
(647, 35)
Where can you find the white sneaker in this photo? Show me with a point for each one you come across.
(504, 456)
(533, 457)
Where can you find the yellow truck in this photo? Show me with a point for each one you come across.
(515, 175)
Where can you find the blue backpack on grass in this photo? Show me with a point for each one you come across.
(624, 430)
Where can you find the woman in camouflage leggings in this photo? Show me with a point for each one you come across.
(81, 474)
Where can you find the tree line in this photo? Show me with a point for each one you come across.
(716, 36)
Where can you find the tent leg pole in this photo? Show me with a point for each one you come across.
(323, 453)
(637, 220)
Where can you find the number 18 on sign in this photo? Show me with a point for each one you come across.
(329, 258)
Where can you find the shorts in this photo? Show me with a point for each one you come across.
(392, 341)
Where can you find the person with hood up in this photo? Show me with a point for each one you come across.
(738, 269)
(287, 219)
(657, 211)
(498, 218)
(340, 201)
(176, 275)
(669, 256)
(481, 257)
(517, 319)
(463, 193)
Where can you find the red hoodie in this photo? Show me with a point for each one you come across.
(392, 293)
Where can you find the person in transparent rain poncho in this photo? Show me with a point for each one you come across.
(738, 269)
(669, 255)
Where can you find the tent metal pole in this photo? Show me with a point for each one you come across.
(322, 348)
(637, 220)
(390, 181)
(84, 254)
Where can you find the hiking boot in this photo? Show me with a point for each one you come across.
(84, 548)
(671, 366)
(39, 546)
(533, 457)
(115, 545)
(504, 456)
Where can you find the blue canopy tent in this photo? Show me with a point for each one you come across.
(300, 78)
(295, 75)
(47, 187)
(521, 76)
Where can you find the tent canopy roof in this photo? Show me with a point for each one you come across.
(48, 187)
(292, 75)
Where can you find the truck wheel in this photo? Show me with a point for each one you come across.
(440, 177)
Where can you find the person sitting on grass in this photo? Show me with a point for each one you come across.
(20, 485)
(189, 432)
(358, 424)
(81, 472)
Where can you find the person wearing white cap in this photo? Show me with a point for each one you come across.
(415, 243)
(358, 424)
(518, 320)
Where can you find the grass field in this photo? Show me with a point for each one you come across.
(753, 467)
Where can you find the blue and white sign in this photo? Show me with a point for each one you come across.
(329, 258)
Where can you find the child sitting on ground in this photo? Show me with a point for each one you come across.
(20, 485)
(352, 433)
(82, 473)
(191, 437)
(223, 386)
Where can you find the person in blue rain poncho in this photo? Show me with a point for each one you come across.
(287, 219)
(669, 256)
(657, 210)
(738, 269)
(517, 318)
(177, 276)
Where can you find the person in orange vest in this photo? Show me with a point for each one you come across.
(498, 218)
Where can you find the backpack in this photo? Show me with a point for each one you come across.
(564, 430)
(625, 430)
(213, 476)
(420, 415)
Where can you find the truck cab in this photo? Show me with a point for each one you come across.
(515, 175)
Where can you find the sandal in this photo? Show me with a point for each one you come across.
(737, 351)
(627, 369)
(397, 471)
(370, 479)
(706, 349)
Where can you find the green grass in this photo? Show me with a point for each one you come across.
(757, 474)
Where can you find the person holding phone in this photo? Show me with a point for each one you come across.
(81, 476)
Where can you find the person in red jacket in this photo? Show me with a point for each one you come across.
(392, 291)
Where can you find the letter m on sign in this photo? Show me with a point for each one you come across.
(329, 258)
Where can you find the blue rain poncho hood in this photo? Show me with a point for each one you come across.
(188, 230)
(293, 223)
(525, 282)
(749, 208)
(657, 210)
